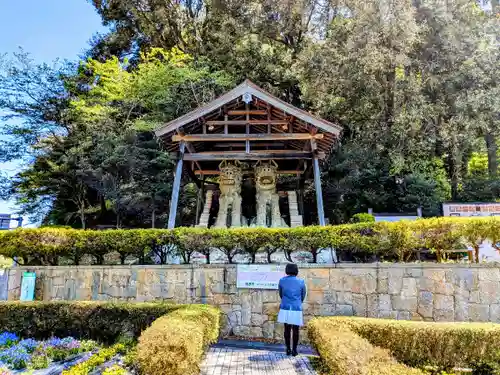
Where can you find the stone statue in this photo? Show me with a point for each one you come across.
(230, 195)
(268, 209)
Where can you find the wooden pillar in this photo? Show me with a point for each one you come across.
(175, 188)
(199, 200)
(319, 193)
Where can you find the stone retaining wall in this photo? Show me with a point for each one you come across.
(432, 292)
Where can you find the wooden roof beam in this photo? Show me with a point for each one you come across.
(243, 112)
(245, 137)
(252, 155)
(245, 122)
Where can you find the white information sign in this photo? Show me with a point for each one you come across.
(259, 276)
(471, 209)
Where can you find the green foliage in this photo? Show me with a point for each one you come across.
(443, 345)
(104, 322)
(115, 370)
(86, 367)
(484, 367)
(362, 218)
(349, 345)
(344, 352)
(414, 85)
(175, 343)
(398, 241)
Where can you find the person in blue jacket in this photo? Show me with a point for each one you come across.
(292, 293)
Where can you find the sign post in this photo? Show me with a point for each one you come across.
(259, 276)
(28, 286)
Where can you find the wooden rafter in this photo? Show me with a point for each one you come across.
(247, 122)
(253, 155)
(245, 137)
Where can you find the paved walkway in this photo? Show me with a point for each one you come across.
(246, 359)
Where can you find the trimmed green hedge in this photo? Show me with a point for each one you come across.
(397, 241)
(444, 345)
(100, 321)
(343, 352)
(175, 343)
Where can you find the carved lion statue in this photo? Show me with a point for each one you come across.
(230, 178)
(265, 176)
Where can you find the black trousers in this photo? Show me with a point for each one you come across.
(294, 330)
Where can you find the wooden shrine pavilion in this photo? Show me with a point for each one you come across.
(248, 131)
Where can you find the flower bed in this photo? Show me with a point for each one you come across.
(30, 354)
(174, 343)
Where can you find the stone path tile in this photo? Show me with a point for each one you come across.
(222, 360)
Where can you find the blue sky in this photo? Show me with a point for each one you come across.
(47, 29)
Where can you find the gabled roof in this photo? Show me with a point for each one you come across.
(248, 87)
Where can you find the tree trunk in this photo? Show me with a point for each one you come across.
(389, 105)
(82, 215)
(491, 147)
(153, 218)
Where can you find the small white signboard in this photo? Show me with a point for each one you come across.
(259, 276)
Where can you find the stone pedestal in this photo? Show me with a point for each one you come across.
(295, 218)
(205, 215)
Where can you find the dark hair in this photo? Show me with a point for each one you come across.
(292, 269)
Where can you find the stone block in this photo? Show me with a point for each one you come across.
(404, 315)
(246, 311)
(327, 310)
(443, 315)
(364, 284)
(242, 331)
(315, 296)
(474, 297)
(221, 299)
(279, 331)
(337, 279)
(344, 298)
(256, 301)
(383, 286)
(444, 302)
(384, 302)
(489, 274)
(495, 313)
(257, 319)
(409, 288)
(413, 272)
(489, 292)
(270, 308)
(388, 314)
(416, 317)
(329, 296)
(479, 313)
(268, 330)
(425, 304)
(460, 278)
(434, 280)
(406, 304)
(318, 283)
(461, 310)
(234, 318)
(270, 296)
(372, 301)
(344, 310)
(395, 285)
(359, 304)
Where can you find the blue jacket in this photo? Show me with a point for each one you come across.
(292, 292)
